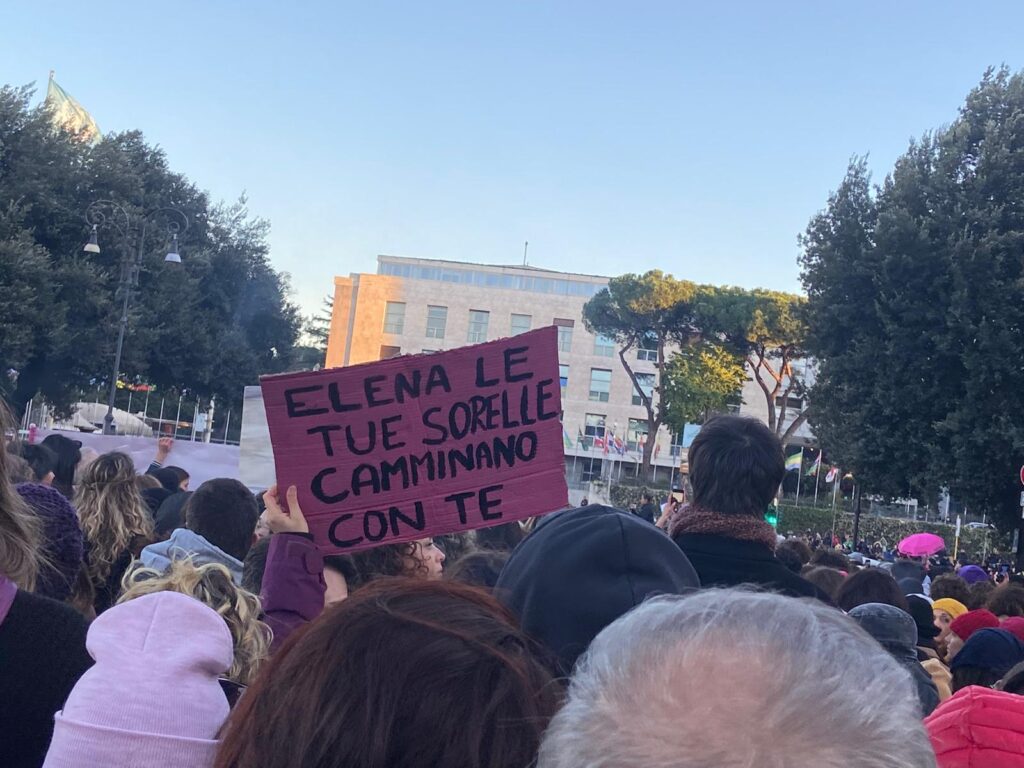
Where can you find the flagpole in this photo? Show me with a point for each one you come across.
(817, 477)
(835, 493)
(799, 475)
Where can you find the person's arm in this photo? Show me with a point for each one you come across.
(666, 515)
(293, 582)
(163, 450)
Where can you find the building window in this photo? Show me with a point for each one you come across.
(437, 318)
(564, 333)
(429, 351)
(387, 352)
(792, 403)
(645, 381)
(603, 346)
(521, 323)
(477, 325)
(636, 434)
(593, 429)
(600, 384)
(648, 349)
(563, 375)
(394, 317)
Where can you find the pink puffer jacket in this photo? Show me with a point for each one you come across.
(978, 728)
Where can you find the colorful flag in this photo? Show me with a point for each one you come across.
(657, 449)
(566, 440)
(67, 114)
(795, 461)
(598, 442)
(620, 446)
(580, 440)
(815, 466)
(833, 475)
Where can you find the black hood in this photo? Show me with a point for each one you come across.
(582, 569)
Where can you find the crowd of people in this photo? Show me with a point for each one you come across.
(145, 623)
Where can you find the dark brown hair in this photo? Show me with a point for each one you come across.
(980, 591)
(826, 579)
(793, 553)
(736, 466)
(831, 558)
(388, 560)
(404, 674)
(478, 569)
(872, 585)
(952, 586)
(1007, 601)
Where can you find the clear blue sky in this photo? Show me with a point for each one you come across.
(614, 137)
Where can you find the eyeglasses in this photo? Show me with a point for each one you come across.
(232, 691)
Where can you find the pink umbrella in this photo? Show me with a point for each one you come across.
(921, 545)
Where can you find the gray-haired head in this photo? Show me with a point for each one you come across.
(687, 682)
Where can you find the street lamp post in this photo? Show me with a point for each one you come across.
(106, 212)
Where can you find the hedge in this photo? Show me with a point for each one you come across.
(890, 530)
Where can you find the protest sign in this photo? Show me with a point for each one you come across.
(416, 446)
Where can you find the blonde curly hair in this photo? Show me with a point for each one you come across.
(112, 512)
(211, 584)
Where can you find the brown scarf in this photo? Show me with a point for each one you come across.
(690, 520)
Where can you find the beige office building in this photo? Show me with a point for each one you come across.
(413, 306)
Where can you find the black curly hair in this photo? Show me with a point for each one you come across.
(389, 560)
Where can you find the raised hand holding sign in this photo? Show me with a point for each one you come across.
(421, 445)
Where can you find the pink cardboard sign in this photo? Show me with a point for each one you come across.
(421, 445)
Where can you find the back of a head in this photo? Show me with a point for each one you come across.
(478, 569)
(871, 585)
(170, 478)
(42, 460)
(684, 683)
(255, 565)
(830, 558)
(894, 629)
(61, 539)
(18, 470)
(952, 586)
(828, 580)
(736, 466)
(223, 511)
(20, 553)
(111, 511)
(793, 554)
(980, 592)
(152, 699)
(1007, 601)
(69, 453)
(502, 538)
(581, 569)
(403, 674)
(212, 585)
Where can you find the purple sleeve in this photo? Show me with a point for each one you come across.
(293, 584)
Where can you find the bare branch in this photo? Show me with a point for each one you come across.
(792, 428)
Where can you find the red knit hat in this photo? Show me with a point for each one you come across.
(966, 625)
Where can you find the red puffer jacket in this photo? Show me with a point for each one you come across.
(978, 728)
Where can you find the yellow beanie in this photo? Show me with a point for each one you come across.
(954, 608)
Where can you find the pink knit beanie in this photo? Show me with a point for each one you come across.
(152, 699)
